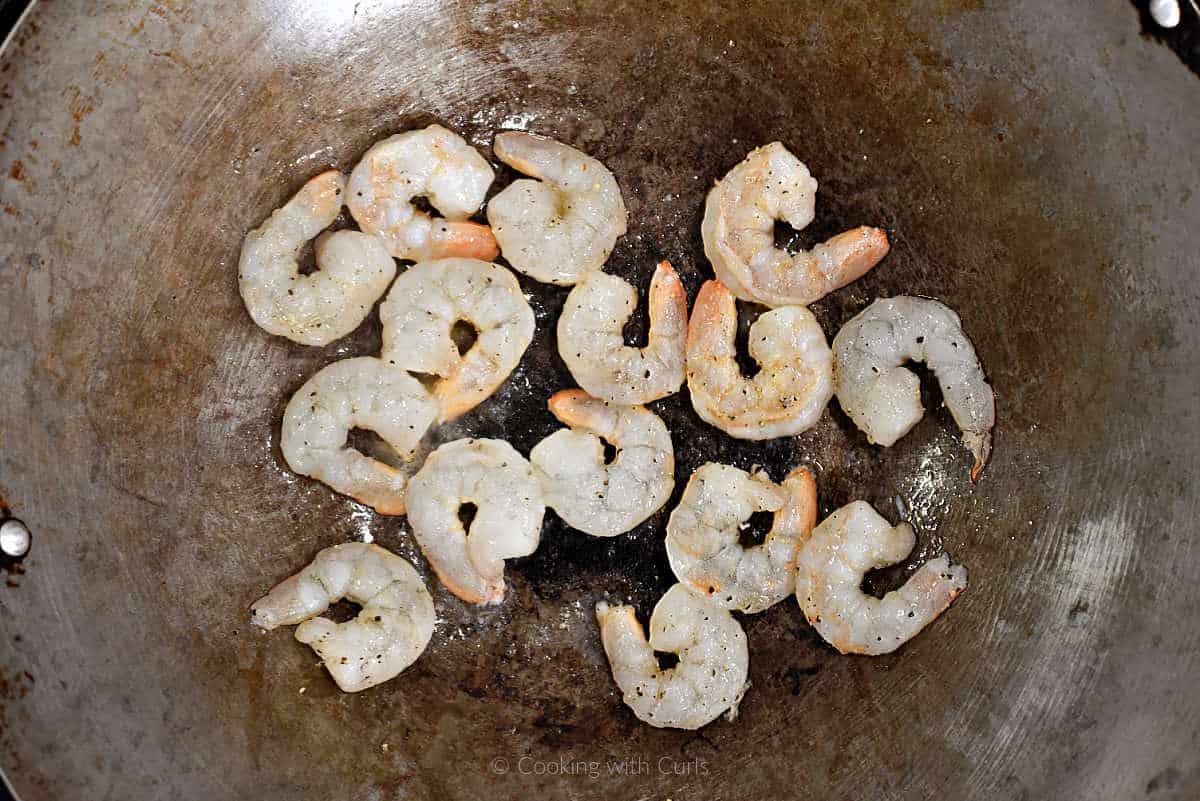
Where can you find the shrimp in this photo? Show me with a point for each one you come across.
(714, 660)
(739, 234)
(433, 163)
(702, 535)
(421, 309)
(590, 338)
(364, 392)
(830, 570)
(353, 271)
(787, 395)
(883, 398)
(490, 475)
(390, 632)
(563, 226)
(600, 499)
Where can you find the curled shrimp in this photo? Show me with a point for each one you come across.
(739, 234)
(438, 165)
(785, 397)
(710, 676)
(562, 226)
(391, 630)
(353, 271)
(490, 475)
(702, 535)
(367, 393)
(419, 314)
(883, 397)
(600, 499)
(830, 568)
(591, 342)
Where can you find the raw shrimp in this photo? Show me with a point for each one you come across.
(590, 338)
(438, 165)
(739, 234)
(353, 271)
(604, 500)
(364, 392)
(702, 535)
(830, 568)
(787, 395)
(419, 315)
(389, 633)
(883, 398)
(713, 660)
(490, 475)
(563, 226)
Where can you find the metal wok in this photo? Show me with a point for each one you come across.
(1036, 166)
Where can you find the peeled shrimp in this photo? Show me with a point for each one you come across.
(739, 234)
(883, 398)
(438, 165)
(389, 633)
(590, 338)
(562, 226)
(830, 568)
(421, 310)
(600, 499)
(710, 677)
(356, 393)
(354, 269)
(787, 395)
(497, 480)
(702, 535)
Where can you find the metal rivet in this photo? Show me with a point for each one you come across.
(1165, 12)
(14, 538)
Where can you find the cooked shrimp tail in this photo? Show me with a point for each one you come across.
(468, 240)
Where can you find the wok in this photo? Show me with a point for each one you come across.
(1035, 165)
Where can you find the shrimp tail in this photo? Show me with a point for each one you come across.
(981, 447)
(467, 240)
(853, 253)
(668, 299)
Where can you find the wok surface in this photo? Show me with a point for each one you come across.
(1044, 191)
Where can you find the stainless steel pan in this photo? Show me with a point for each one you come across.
(1036, 166)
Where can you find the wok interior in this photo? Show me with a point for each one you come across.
(142, 448)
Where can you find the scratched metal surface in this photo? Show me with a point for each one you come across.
(1045, 192)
